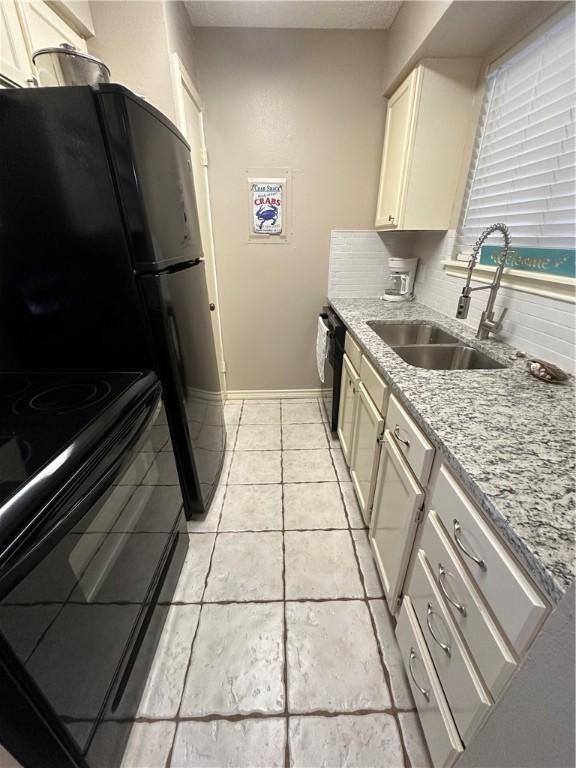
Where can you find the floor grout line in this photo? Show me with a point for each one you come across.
(216, 717)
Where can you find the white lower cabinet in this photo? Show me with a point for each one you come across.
(444, 743)
(467, 697)
(398, 500)
(467, 612)
(347, 407)
(368, 429)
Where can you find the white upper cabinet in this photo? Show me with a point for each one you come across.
(399, 116)
(15, 64)
(47, 29)
(25, 27)
(429, 125)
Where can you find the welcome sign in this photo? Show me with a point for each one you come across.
(548, 261)
(267, 206)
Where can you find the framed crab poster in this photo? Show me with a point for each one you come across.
(267, 207)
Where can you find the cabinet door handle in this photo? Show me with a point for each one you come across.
(390, 217)
(397, 436)
(424, 691)
(457, 534)
(445, 647)
(441, 576)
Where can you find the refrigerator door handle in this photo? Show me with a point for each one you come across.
(172, 269)
(175, 337)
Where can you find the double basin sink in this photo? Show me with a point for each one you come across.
(427, 346)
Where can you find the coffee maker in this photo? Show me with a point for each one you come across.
(401, 279)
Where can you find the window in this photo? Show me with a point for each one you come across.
(523, 164)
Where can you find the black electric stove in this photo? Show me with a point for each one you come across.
(42, 413)
(49, 424)
(92, 540)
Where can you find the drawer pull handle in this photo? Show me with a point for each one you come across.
(441, 576)
(445, 647)
(397, 436)
(424, 691)
(457, 532)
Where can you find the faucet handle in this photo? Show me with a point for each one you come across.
(493, 324)
(502, 316)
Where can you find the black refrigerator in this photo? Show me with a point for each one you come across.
(101, 263)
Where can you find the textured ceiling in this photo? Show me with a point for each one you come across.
(293, 14)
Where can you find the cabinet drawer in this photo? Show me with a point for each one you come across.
(377, 390)
(439, 729)
(468, 699)
(353, 351)
(493, 657)
(411, 441)
(512, 599)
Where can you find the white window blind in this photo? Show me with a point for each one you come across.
(523, 165)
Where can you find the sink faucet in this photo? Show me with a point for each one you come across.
(488, 324)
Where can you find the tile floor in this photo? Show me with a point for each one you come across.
(278, 649)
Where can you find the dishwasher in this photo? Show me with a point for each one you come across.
(332, 365)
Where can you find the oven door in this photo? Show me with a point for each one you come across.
(328, 383)
(73, 600)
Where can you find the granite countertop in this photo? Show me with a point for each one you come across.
(508, 437)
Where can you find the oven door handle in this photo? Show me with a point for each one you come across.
(16, 562)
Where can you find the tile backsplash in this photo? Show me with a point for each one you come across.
(541, 326)
(359, 261)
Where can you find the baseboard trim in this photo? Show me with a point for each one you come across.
(271, 394)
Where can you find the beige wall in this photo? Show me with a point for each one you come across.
(131, 38)
(136, 39)
(412, 26)
(181, 35)
(309, 101)
(454, 29)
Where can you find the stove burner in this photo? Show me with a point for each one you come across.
(13, 385)
(66, 398)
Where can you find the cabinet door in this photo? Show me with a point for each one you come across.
(368, 426)
(397, 502)
(347, 407)
(15, 63)
(46, 28)
(399, 121)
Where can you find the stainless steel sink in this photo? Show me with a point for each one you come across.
(399, 334)
(446, 358)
